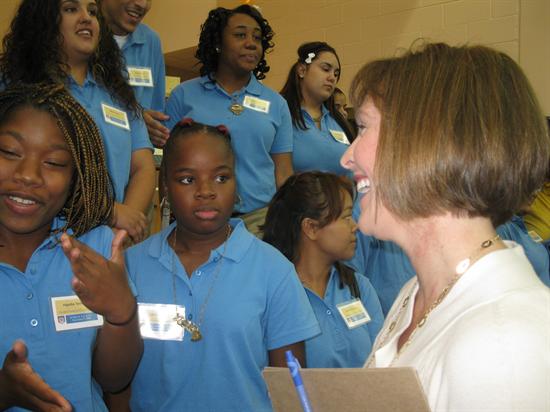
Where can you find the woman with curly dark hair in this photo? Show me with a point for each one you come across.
(67, 41)
(321, 133)
(232, 49)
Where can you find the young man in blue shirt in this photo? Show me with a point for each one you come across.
(144, 60)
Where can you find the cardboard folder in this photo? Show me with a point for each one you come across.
(335, 390)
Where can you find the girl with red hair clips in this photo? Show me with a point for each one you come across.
(216, 303)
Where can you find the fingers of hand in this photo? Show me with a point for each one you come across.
(88, 268)
(26, 387)
(153, 124)
(44, 398)
(79, 287)
(139, 228)
(158, 115)
(19, 350)
(158, 141)
(66, 243)
(128, 242)
(39, 396)
(118, 245)
(72, 248)
(136, 236)
(86, 264)
(158, 133)
(133, 221)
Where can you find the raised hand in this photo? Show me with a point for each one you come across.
(158, 133)
(131, 220)
(21, 386)
(101, 284)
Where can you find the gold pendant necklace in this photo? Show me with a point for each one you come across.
(460, 269)
(236, 108)
(190, 326)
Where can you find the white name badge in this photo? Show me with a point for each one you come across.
(156, 321)
(354, 313)
(115, 116)
(535, 236)
(70, 313)
(256, 104)
(339, 136)
(140, 76)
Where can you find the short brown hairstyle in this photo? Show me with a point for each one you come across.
(461, 131)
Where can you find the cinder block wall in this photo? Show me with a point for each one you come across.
(178, 21)
(361, 30)
(365, 29)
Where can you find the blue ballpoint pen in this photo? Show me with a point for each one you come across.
(294, 367)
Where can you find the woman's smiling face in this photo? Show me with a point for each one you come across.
(360, 158)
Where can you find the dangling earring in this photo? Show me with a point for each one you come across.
(164, 213)
(238, 199)
(217, 49)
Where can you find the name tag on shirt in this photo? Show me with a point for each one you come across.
(256, 104)
(354, 313)
(535, 236)
(70, 313)
(140, 76)
(115, 116)
(339, 136)
(156, 321)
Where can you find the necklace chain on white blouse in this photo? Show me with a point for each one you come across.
(460, 269)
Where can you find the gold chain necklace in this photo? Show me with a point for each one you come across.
(236, 108)
(460, 269)
(190, 326)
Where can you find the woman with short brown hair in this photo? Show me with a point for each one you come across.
(451, 143)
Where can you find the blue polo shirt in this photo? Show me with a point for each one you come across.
(388, 267)
(118, 141)
(143, 50)
(255, 135)
(257, 304)
(537, 254)
(317, 149)
(338, 346)
(62, 359)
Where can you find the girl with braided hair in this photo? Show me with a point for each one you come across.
(232, 48)
(68, 42)
(60, 268)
